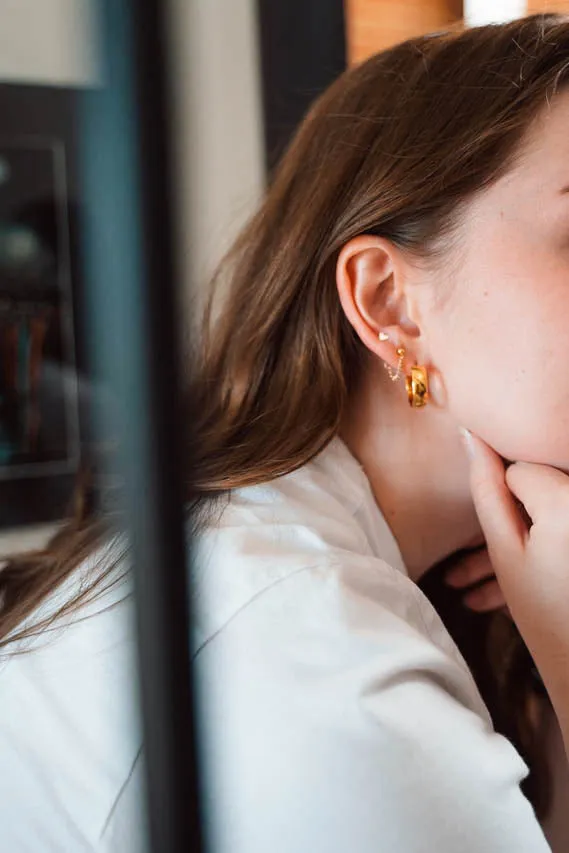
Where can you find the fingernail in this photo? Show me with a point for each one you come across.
(467, 441)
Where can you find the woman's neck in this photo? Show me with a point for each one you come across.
(418, 472)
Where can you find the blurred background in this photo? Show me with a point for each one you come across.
(242, 74)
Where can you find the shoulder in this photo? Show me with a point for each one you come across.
(334, 610)
(69, 728)
(268, 584)
(269, 548)
(330, 713)
(261, 536)
(333, 701)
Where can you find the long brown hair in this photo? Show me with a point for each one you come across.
(395, 147)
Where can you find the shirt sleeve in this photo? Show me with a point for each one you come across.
(331, 721)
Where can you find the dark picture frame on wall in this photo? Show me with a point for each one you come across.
(302, 50)
(41, 336)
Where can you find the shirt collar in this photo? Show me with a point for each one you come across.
(351, 484)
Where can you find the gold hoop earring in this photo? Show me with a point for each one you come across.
(394, 375)
(417, 385)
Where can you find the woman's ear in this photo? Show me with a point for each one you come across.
(370, 276)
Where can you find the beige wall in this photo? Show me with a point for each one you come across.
(48, 41)
(219, 140)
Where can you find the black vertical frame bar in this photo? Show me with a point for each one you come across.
(132, 292)
(303, 49)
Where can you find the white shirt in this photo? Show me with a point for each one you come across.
(71, 775)
(336, 712)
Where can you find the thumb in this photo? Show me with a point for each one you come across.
(502, 524)
(543, 491)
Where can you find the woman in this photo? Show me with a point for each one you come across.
(419, 222)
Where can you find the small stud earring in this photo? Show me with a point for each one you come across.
(394, 375)
(383, 336)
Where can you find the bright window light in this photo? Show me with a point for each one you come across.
(478, 12)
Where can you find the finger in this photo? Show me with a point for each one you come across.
(472, 568)
(485, 598)
(543, 491)
(501, 522)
